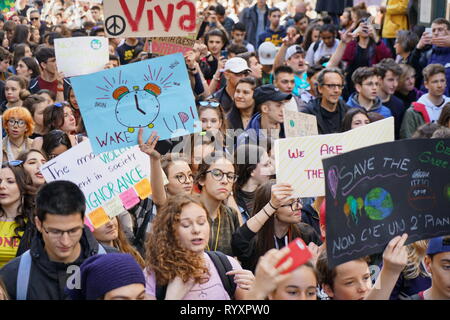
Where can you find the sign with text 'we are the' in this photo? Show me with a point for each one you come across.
(298, 160)
(143, 18)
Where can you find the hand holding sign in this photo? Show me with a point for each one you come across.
(149, 146)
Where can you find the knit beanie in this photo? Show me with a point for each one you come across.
(105, 272)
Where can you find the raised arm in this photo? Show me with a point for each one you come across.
(395, 258)
(156, 177)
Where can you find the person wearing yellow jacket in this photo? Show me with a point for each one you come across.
(396, 19)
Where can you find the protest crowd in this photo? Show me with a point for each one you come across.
(216, 221)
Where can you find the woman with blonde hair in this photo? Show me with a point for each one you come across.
(19, 125)
(177, 266)
(414, 277)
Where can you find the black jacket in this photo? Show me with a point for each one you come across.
(244, 243)
(313, 107)
(249, 17)
(47, 278)
(311, 217)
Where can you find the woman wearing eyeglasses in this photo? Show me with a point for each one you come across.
(215, 178)
(275, 223)
(15, 209)
(19, 125)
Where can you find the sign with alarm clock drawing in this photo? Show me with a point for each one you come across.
(153, 94)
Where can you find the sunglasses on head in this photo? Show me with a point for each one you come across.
(12, 163)
(213, 104)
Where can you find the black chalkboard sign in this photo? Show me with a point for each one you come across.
(376, 193)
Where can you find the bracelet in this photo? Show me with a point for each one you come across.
(270, 204)
(266, 212)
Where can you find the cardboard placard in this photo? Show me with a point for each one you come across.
(143, 18)
(169, 45)
(81, 55)
(298, 160)
(102, 178)
(153, 94)
(299, 124)
(376, 193)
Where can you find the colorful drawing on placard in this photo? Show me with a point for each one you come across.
(154, 94)
(7, 5)
(378, 204)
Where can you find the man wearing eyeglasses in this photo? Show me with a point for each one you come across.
(328, 107)
(235, 69)
(367, 84)
(60, 246)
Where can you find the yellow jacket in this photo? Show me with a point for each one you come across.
(396, 18)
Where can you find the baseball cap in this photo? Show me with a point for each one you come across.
(236, 65)
(438, 245)
(293, 50)
(269, 92)
(267, 52)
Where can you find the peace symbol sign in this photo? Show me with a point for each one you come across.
(115, 25)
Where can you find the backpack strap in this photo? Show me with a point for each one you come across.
(101, 250)
(23, 276)
(316, 46)
(223, 265)
(160, 292)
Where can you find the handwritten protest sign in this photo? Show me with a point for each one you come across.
(153, 94)
(143, 18)
(81, 55)
(376, 193)
(298, 160)
(170, 45)
(299, 124)
(103, 178)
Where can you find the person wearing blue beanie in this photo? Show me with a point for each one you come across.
(113, 276)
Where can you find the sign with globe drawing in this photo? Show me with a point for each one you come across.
(376, 193)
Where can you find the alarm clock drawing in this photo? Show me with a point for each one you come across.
(137, 108)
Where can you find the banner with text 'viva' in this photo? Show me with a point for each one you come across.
(81, 55)
(103, 178)
(143, 18)
(153, 94)
(376, 193)
(298, 160)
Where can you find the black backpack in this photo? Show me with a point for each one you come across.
(222, 265)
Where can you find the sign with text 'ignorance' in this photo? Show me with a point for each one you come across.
(376, 193)
(143, 18)
(111, 181)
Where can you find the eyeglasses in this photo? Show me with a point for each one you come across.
(35, 18)
(13, 163)
(297, 204)
(182, 178)
(334, 86)
(242, 74)
(218, 174)
(56, 234)
(13, 122)
(213, 104)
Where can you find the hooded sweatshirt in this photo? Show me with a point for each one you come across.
(376, 107)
